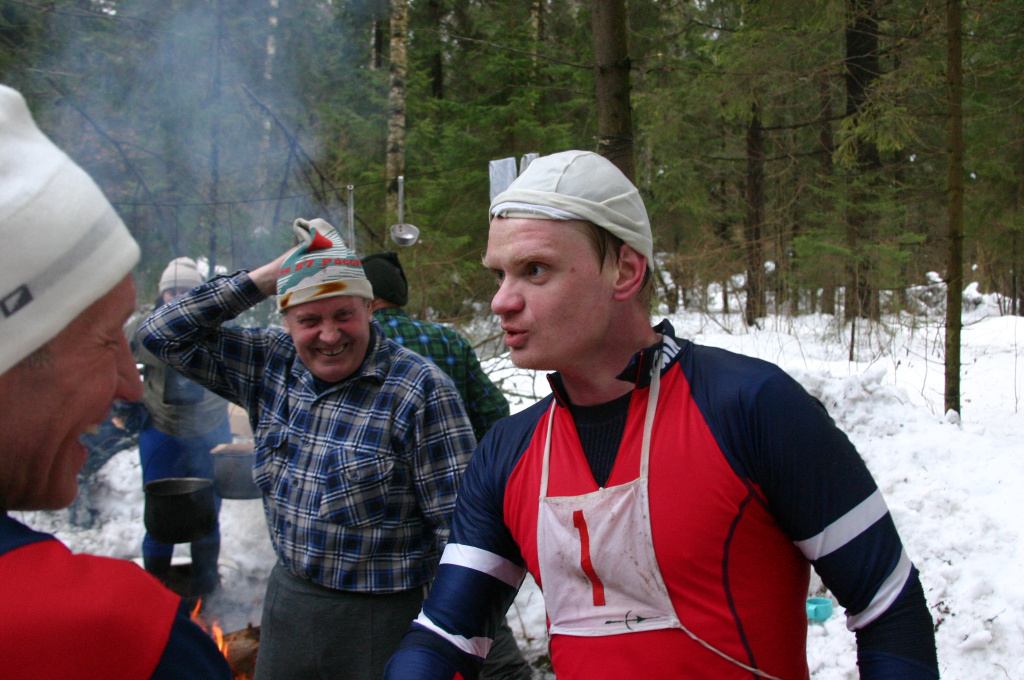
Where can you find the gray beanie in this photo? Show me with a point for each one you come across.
(64, 245)
(579, 185)
(387, 277)
(182, 272)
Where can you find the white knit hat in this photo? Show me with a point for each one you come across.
(579, 185)
(182, 272)
(64, 247)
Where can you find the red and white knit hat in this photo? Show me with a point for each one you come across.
(322, 267)
(64, 246)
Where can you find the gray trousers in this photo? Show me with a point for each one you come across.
(505, 661)
(309, 632)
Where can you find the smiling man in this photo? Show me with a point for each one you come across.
(360, 446)
(65, 292)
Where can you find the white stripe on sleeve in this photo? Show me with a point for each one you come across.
(484, 561)
(885, 596)
(845, 529)
(478, 646)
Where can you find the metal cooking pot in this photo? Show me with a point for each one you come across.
(232, 472)
(180, 509)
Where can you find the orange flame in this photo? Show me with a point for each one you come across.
(212, 629)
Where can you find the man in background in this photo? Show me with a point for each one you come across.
(66, 291)
(485, 404)
(184, 423)
(360, 446)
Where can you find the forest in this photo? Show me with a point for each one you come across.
(800, 156)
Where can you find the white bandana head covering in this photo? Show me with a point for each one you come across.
(64, 246)
(579, 185)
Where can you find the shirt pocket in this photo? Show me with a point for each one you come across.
(271, 458)
(357, 489)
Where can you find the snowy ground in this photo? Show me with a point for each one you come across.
(952, 485)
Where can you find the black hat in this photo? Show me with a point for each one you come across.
(387, 277)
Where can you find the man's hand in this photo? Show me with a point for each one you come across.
(265, 277)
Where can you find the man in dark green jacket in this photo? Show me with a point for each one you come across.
(452, 353)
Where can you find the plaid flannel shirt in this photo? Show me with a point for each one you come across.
(358, 481)
(453, 354)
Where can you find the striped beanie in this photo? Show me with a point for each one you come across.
(321, 267)
(64, 246)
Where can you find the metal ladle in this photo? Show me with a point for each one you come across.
(403, 234)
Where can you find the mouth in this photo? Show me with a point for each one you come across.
(514, 337)
(333, 352)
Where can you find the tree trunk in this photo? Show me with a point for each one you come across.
(827, 141)
(955, 275)
(395, 162)
(862, 69)
(611, 75)
(753, 225)
(434, 15)
(379, 33)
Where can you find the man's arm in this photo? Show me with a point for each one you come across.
(824, 497)
(485, 402)
(443, 442)
(478, 578)
(187, 334)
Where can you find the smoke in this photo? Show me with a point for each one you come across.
(188, 114)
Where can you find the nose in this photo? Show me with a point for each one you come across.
(329, 334)
(129, 382)
(506, 300)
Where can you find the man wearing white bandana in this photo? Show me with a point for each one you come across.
(668, 498)
(66, 290)
(360, 447)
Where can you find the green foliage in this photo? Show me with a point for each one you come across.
(210, 145)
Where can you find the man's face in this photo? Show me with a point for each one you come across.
(554, 298)
(172, 293)
(46, 406)
(331, 335)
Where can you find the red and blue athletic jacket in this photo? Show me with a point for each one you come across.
(751, 483)
(92, 618)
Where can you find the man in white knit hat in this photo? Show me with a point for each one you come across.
(360, 445)
(65, 292)
(668, 498)
(184, 423)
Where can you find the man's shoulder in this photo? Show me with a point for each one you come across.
(400, 322)
(398, 361)
(52, 565)
(706, 362)
(102, 601)
(519, 425)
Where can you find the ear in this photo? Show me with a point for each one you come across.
(629, 273)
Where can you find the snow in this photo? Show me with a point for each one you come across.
(952, 484)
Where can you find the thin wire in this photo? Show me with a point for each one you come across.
(332, 190)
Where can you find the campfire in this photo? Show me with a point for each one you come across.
(239, 647)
